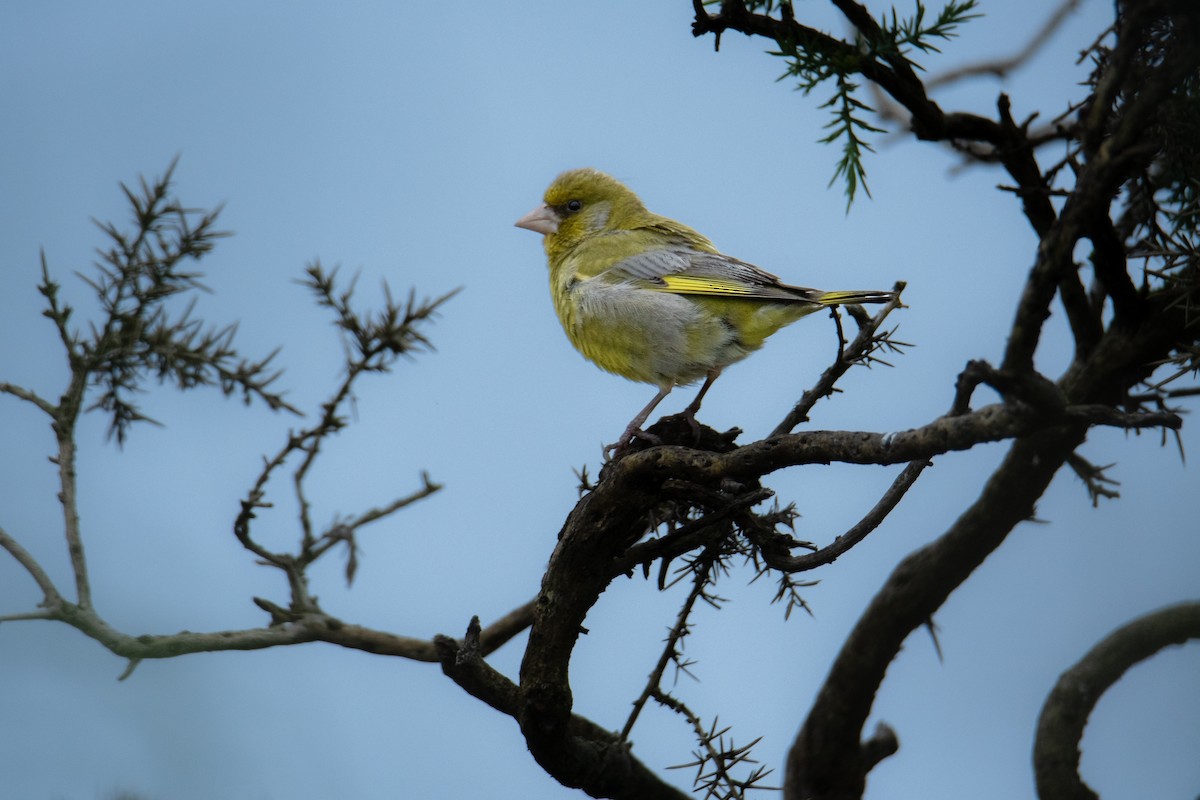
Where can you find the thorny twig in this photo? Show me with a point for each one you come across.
(672, 648)
(373, 344)
(860, 351)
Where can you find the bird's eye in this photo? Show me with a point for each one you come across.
(574, 205)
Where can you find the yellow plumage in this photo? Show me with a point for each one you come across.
(652, 300)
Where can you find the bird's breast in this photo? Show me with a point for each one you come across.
(644, 335)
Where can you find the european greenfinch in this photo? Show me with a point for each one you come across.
(650, 299)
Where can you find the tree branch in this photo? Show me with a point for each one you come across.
(827, 555)
(670, 652)
(50, 594)
(1000, 67)
(28, 396)
(295, 628)
(64, 433)
(1066, 711)
(865, 343)
(827, 760)
(609, 519)
(929, 122)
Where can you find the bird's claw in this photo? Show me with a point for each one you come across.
(617, 450)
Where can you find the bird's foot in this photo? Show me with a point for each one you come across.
(690, 416)
(618, 450)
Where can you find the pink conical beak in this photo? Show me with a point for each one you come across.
(543, 220)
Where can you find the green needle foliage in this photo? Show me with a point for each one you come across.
(846, 126)
(814, 57)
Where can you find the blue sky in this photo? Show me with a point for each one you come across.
(402, 141)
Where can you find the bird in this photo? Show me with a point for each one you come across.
(652, 300)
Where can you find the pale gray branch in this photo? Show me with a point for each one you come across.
(26, 560)
(67, 496)
(28, 396)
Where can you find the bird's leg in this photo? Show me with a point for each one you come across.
(634, 428)
(689, 413)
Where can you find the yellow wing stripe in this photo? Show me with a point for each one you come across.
(841, 298)
(687, 284)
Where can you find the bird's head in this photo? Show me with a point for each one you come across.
(582, 203)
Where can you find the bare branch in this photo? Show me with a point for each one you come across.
(428, 487)
(671, 648)
(40, 614)
(840, 545)
(68, 495)
(1098, 484)
(894, 76)
(1000, 67)
(373, 345)
(29, 396)
(23, 557)
(344, 531)
(463, 663)
(826, 759)
(687, 537)
(857, 352)
(1066, 711)
(297, 628)
(58, 314)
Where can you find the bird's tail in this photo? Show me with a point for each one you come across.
(843, 298)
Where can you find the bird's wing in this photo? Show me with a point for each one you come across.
(683, 270)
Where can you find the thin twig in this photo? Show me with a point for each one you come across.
(860, 531)
(679, 630)
(688, 536)
(860, 348)
(26, 560)
(28, 396)
(1000, 67)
